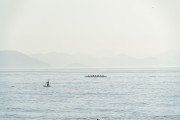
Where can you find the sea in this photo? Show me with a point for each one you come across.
(125, 94)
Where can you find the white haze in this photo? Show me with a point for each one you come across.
(137, 28)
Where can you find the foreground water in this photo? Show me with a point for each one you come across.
(135, 94)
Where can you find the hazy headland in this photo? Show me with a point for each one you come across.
(15, 59)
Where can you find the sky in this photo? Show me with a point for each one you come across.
(138, 28)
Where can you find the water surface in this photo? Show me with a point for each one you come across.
(126, 94)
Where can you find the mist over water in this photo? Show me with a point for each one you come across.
(141, 28)
(89, 33)
(144, 94)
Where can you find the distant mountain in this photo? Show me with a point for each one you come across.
(14, 59)
(63, 60)
(171, 59)
(76, 65)
(83, 60)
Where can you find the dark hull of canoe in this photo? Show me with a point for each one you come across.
(46, 86)
(95, 76)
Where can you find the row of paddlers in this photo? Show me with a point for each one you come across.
(95, 76)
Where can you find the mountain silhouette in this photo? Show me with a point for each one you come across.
(15, 59)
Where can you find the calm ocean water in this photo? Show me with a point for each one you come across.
(126, 94)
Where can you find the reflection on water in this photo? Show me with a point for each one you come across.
(143, 94)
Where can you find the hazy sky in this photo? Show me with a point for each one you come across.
(137, 28)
